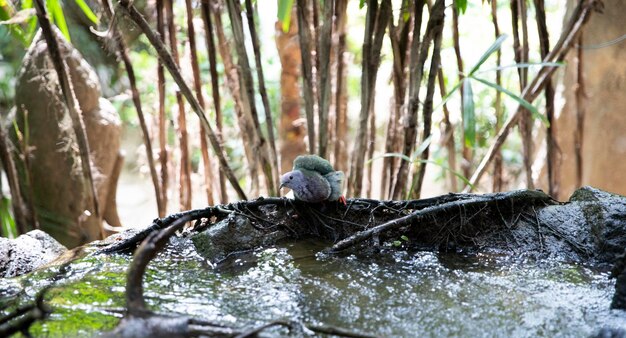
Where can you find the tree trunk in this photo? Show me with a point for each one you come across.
(291, 130)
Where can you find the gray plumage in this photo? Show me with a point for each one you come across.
(313, 180)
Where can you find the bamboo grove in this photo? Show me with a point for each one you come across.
(311, 38)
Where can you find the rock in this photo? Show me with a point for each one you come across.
(233, 234)
(27, 252)
(608, 332)
(52, 178)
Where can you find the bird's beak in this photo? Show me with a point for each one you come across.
(281, 186)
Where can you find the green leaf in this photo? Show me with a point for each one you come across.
(6, 219)
(404, 238)
(397, 243)
(535, 113)
(32, 23)
(361, 4)
(524, 65)
(422, 147)
(19, 17)
(87, 11)
(12, 20)
(469, 114)
(56, 14)
(448, 96)
(398, 155)
(461, 5)
(492, 49)
(284, 13)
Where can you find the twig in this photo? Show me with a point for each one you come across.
(165, 56)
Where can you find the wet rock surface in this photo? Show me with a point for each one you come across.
(27, 252)
(232, 235)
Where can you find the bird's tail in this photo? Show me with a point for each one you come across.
(336, 179)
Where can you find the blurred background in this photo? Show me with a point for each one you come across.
(411, 99)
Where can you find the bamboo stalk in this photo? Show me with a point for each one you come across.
(552, 158)
(323, 49)
(243, 118)
(215, 89)
(168, 61)
(518, 13)
(341, 99)
(269, 123)
(497, 162)
(304, 33)
(163, 151)
(437, 13)
(130, 71)
(400, 39)
(195, 68)
(419, 53)
(376, 23)
(467, 153)
(580, 112)
(246, 86)
(184, 187)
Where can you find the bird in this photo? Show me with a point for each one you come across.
(314, 180)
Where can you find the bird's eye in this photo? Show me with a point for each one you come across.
(291, 177)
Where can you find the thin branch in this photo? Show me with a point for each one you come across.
(164, 55)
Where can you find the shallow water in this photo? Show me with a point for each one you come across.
(396, 293)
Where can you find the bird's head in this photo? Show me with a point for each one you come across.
(291, 179)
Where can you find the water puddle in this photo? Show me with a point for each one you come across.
(396, 293)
